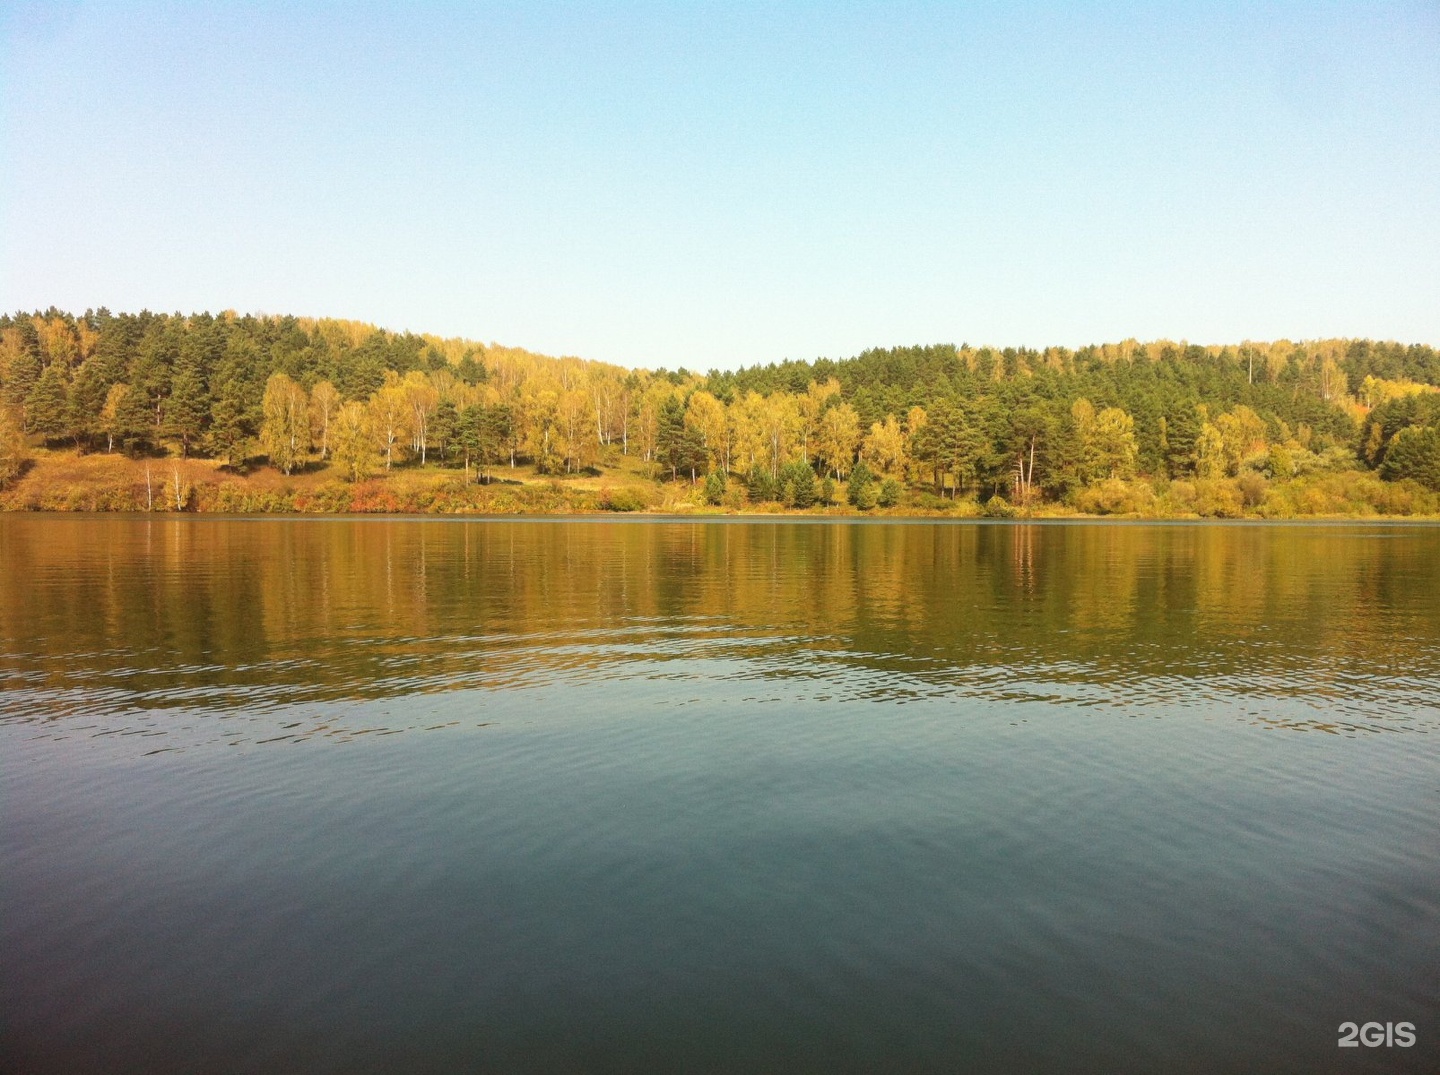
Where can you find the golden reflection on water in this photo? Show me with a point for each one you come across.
(223, 613)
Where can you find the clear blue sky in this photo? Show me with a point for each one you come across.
(716, 184)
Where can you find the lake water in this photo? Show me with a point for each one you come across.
(612, 795)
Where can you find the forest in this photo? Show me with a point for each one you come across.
(233, 412)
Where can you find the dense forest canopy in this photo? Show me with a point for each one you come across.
(939, 421)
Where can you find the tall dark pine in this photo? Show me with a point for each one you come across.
(187, 409)
(442, 427)
(24, 375)
(187, 402)
(670, 440)
(133, 426)
(87, 399)
(47, 407)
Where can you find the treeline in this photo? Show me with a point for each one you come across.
(1006, 427)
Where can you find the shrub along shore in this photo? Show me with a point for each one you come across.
(65, 481)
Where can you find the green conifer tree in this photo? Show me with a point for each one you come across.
(47, 407)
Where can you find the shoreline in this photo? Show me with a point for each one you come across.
(62, 482)
(856, 517)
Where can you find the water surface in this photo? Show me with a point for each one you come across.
(375, 795)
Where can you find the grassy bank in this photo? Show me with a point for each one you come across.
(68, 481)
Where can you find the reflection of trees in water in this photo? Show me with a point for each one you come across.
(219, 612)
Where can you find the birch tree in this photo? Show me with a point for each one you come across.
(353, 441)
(324, 403)
(285, 427)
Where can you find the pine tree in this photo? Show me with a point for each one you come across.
(442, 428)
(1414, 453)
(670, 446)
(187, 409)
(502, 433)
(235, 411)
(129, 418)
(47, 407)
(797, 484)
(861, 491)
(20, 381)
(469, 437)
(87, 399)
